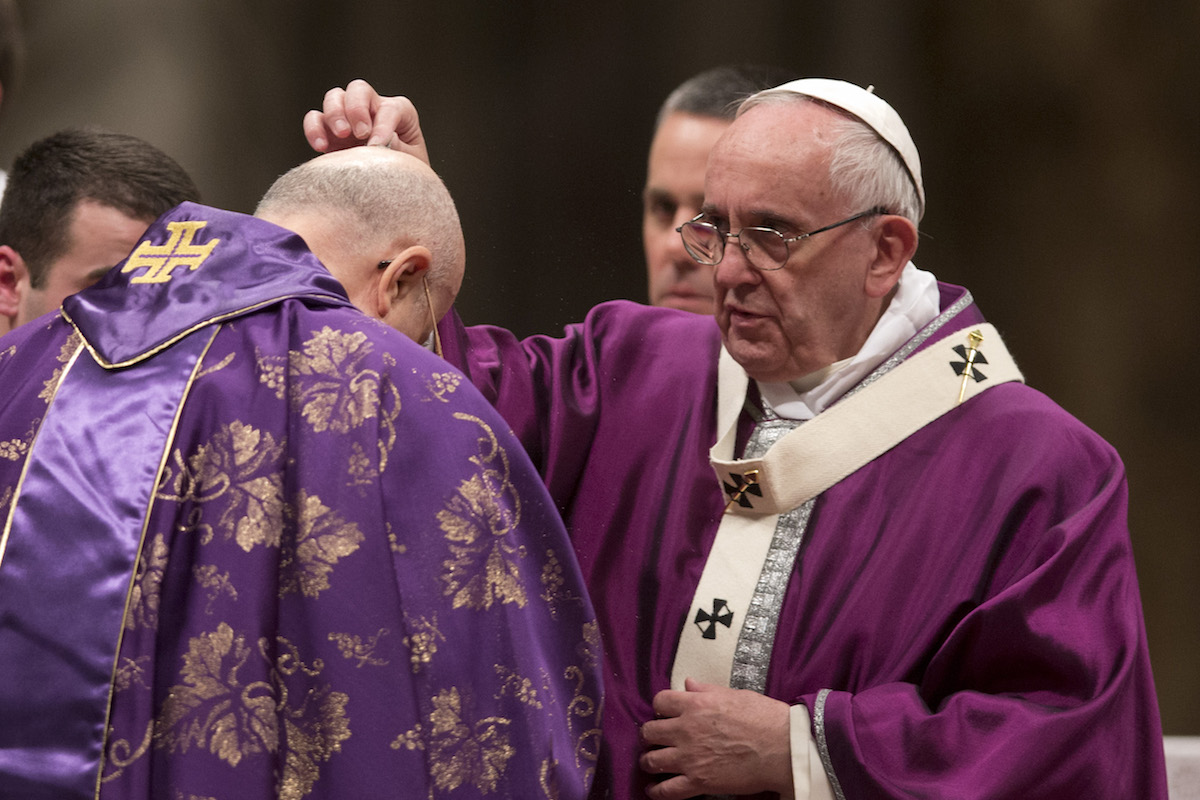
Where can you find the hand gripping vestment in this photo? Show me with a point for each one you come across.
(257, 544)
(960, 615)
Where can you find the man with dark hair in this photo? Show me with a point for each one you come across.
(257, 544)
(689, 122)
(80, 199)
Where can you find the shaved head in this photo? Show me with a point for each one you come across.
(377, 199)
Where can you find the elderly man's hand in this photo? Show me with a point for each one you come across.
(359, 115)
(714, 740)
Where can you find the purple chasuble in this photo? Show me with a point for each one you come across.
(962, 619)
(256, 544)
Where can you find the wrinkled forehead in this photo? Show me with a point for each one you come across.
(779, 146)
(785, 130)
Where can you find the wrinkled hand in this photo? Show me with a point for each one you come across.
(715, 740)
(359, 115)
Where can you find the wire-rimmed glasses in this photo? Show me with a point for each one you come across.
(765, 248)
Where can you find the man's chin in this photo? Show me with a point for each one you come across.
(758, 358)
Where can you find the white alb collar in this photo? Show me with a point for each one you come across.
(914, 306)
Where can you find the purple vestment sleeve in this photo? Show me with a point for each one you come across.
(608, 412)
(962, 619)
(1021, 670)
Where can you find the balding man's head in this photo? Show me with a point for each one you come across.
(359, 207)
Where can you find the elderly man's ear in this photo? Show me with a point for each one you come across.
(401, 291)
(13, 276)
(400, 279)
(895, 244)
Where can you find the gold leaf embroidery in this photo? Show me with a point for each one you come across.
(327, 382)
(312, 737)
(460, 753)
(354, 648)
(243, 465)
(144, 596)
(213, 709)
(260, 522)
(339, 395)
(322, 538)
(477, 521)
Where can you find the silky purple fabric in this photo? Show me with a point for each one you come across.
(963, 619)
(350, 581)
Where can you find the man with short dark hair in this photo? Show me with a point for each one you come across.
(257, 544)
(80, 199)
(837, 547)
(689, 122)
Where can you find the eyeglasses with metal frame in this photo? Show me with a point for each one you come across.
(766, 249)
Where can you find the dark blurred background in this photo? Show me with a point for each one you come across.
(1059, 142)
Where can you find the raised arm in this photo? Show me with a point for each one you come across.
(359, 115)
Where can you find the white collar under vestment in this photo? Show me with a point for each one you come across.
(916, 304)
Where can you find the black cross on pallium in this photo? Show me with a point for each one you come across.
(959, 366)
(720, 613)
(744, 488)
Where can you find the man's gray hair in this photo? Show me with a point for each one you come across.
(717, 92)
(863, 168)
(378, 202)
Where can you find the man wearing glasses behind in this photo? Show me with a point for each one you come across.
(836, 546)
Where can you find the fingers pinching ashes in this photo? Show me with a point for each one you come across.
(359, 115)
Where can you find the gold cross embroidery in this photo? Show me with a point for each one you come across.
(178, 251)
